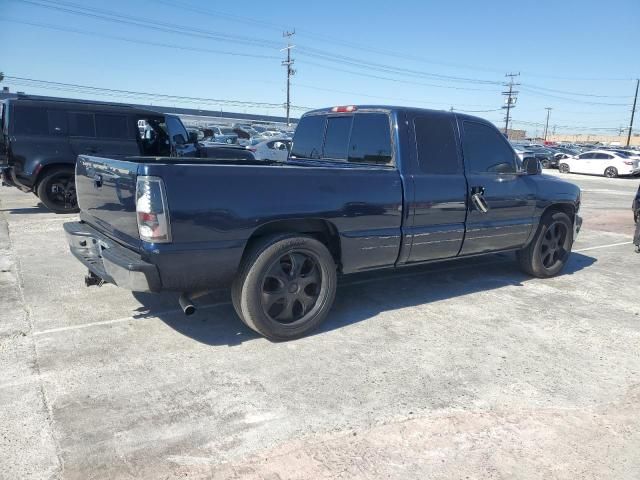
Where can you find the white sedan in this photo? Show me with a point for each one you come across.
(601, 162)
(271, 149)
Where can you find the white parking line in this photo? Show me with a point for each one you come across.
(603, 246)
(151, 315)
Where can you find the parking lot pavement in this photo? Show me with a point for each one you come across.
(466, 369)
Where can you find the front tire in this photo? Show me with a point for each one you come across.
(57, 190)
(545, 163)
(611, 172)
(285, 287)
(549, 251)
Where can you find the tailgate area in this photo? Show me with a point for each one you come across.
(111, 261)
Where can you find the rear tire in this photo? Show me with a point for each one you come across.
(611, 172)
(57, 190)
(548, 252)
(563, 168)
(285, 287)
(545, 163)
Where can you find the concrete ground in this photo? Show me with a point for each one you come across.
(457, 370)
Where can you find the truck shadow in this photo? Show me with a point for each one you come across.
(359, 296)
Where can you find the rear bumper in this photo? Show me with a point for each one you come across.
(111, 261)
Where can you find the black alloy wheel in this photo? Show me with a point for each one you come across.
(57, 191)
(553, 248)
(291, 287)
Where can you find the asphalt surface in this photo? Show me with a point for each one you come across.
(466, 369)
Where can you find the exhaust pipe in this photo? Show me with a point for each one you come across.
(92, 279)
(188, 308)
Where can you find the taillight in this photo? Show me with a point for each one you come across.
(151, 210)
(252, 149)
(628, 163)
(343, 109)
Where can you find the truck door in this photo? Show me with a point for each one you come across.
(501, 201)
(437, 205)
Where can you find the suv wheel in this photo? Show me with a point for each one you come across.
(57, 190)
(548, 252)
(285, 286)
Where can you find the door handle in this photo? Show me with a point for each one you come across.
(478, 200)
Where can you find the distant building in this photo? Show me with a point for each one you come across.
(516, 134)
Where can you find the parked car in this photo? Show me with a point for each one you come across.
(365, 188)
(601, 162)
(41, 140)
(272, 149)
(220, 135)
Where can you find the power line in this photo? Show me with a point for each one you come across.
(110, 16)
(356, 46)
(46, 84)
(139, 42)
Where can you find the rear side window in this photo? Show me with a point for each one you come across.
(111, 126)
(30, 120)
(57, 122)
(486, 150)
(82, 124)
(336, 140)
(307, 142)
(370, 140)
(436, 145)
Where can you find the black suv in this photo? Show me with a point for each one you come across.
(41, 139)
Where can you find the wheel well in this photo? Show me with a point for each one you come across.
(566, 208)
(47, 168)
(321, 230)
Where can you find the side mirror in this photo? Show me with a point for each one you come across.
(193, 137)
(532, 166)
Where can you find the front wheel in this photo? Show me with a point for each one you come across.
(549, 251)
(545, 163)
(285, 287)
(611, 172)
(57, 190)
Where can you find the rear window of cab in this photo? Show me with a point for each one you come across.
(356, 138)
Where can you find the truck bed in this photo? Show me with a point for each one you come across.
(216, 205)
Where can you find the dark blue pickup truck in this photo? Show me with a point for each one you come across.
(364, 188)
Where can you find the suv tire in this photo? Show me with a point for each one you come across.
(57, 190)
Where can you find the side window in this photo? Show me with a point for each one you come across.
(436, 145)
(307, 142)
(58, 122)
(81, 124)
(112, 126)
(586, 156)
(336, 139)
(370, 140)
(30, 120)
(177, 131)
(485, 150)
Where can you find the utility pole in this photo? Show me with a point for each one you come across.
(290, 71)
(510, 101)
(546, 127)
(633, 111)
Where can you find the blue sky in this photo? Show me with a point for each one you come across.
(578, 57)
